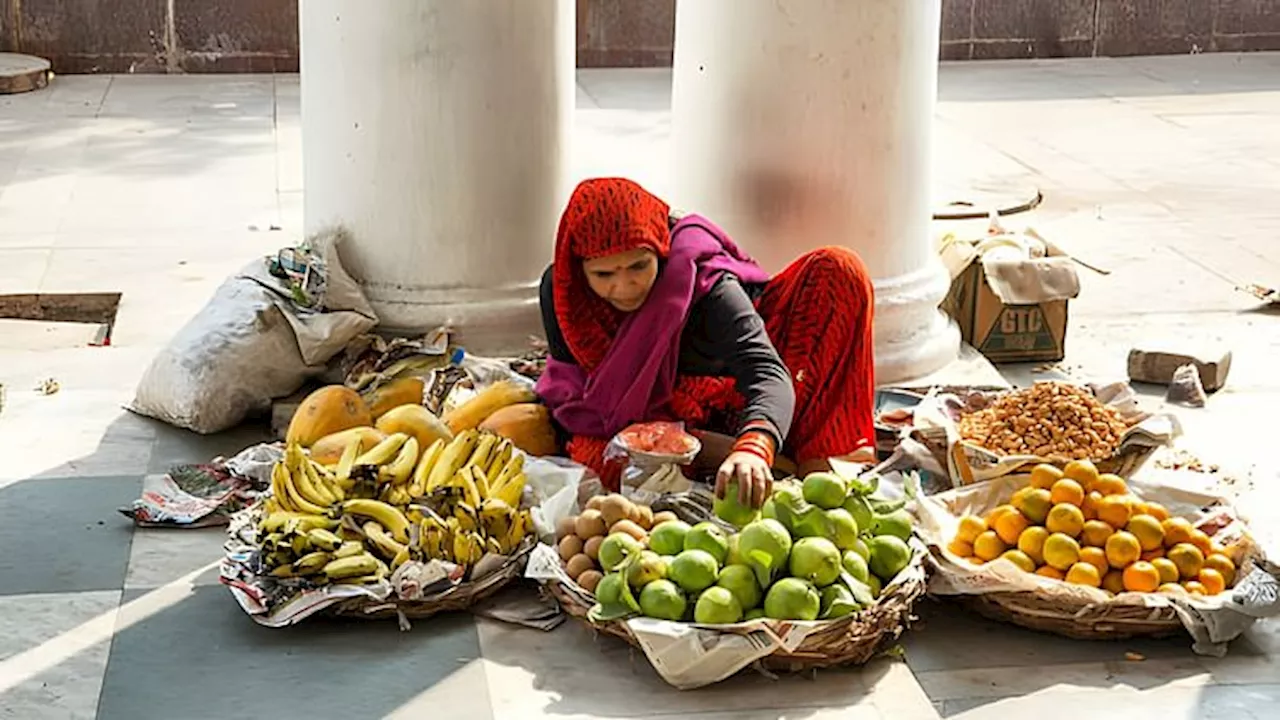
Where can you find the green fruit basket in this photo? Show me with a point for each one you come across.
(850, 640)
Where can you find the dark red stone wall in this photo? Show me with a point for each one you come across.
(262, 35)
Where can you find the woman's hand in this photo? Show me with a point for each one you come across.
(751, 472)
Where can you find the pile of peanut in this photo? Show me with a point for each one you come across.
(1049, 419)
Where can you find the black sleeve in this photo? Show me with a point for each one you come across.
(557, 348)
(735, 334)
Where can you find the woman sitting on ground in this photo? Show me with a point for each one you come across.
(649, 317)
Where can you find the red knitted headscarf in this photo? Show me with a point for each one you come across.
(605, 216)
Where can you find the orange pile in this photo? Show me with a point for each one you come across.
(1083, 527)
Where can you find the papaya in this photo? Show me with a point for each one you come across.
(415, 421)
(328, 449)
(330, 409)
(470, 414)
(526, 425)
(402, 391)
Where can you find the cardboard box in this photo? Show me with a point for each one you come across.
(1010, 307)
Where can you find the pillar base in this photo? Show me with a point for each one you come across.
(913, 337)
(493, 321)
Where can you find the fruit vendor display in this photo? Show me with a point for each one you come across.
(356, 520)
(821, 549)
(1077, 526)
(1052, 420)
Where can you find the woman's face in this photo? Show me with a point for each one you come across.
(624, 279)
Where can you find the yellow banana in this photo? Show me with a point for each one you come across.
(353, 566)
(322, 477)
(283, 571)
(486, 402)
(348, 549)
(492, 545)
(499, 460)
(401, 558)
(381, 541)
(348, 461)
(383, 452)
(470, 493)
(399, 470)
(466, 517)
(483, 451)
(277, 558)
(453, 457)
(285, 480)
(300, 545)
(301, 521)
(278, 491)
(418, 486)
(512, 491)
(323, 539)
(387, 516)
(462, 549)
(311, 563)
(304, 481)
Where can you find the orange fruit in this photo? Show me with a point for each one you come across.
(1111, 485)
(1169, 572)
(1031, 542)
(1066, 519)
(1212, 581)
(1061, 551)
(1083, 472)
(1034, 504)
(1176, 530)
(1157, 511)
(1194, 587)
(971, 526)
(1220, 562)
(1019, 558)
(996, 512)
(1114, 510)
(1043, 476)
(1090, 507)
(1009, 526)
(1096, 557)
(976, 561)
(1083, 573)
(961, 548)
(1141, 577)
(1172, 589)
(1051, 572)
(1187, 558)
(1113, 581)
(1067, 491)
(988, 546)
(1202, 541)
(1123, 549)
(1148, 531)
(1095, 533)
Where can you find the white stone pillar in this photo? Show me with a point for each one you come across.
(803, 123)
(438, 132)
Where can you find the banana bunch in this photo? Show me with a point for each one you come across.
(303, 545)
(360, 519)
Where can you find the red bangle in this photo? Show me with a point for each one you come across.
(758, 443)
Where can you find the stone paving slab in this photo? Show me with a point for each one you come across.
(62, 534)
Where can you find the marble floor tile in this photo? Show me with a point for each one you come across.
(64, 535)
(162, 555)
(175, 446)
(46, 672)
(202, 655)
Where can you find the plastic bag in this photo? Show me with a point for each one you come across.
(1185, 388)
(653, 454)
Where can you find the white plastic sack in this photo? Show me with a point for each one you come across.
(251, 344)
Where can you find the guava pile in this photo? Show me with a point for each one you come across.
(816, 550)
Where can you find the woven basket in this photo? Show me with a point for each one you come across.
(851, 640)
(459, 597)
(1081, 622)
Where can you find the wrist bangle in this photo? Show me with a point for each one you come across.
(756, 443)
